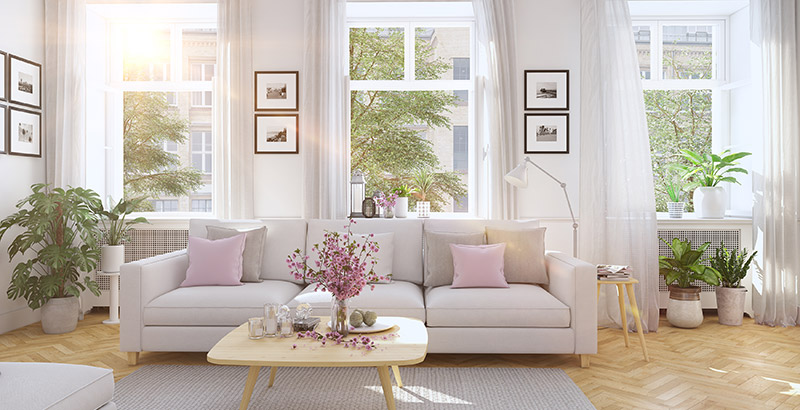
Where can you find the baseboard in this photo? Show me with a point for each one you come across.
(18, 318)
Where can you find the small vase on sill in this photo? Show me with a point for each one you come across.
(388, 212)
(676, 209)
(340, 316)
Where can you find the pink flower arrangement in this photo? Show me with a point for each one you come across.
(385, 201)
(358, 342)
(344, 266)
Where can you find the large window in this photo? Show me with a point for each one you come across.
(682, 67)
(411, 107)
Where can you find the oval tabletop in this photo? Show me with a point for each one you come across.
(403, 344)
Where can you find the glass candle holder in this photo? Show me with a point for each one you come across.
(255, 327)
(271, 319)
(287, 326)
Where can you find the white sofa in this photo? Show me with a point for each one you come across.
(158, 315)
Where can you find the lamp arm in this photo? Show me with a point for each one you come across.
(569, 205)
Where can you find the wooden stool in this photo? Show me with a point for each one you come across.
(621, 285)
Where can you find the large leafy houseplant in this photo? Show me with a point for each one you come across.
(115, 225)
(60, 229)
(708, 170)
(685, 267)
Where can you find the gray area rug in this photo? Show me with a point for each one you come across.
(176, 387)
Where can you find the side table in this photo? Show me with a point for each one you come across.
(621, 285)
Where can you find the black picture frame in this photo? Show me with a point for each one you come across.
(536, 147)
(36, 101)
(534, 100)
(4, 76)
(288, 118)
(10, 150)
(261, 80)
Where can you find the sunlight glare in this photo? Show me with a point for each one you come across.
(144, 43)
(795, 387)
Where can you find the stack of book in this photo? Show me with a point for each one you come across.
(613, 272)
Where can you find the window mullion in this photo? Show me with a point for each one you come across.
(410, 52)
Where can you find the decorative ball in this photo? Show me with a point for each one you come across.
(370, 318)
(356, 319)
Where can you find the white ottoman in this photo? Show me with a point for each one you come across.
(36, 386)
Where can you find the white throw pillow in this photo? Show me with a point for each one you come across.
(384, 258)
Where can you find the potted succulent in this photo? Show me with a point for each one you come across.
(679, 271)
(115, 231)
(59, 237)
(732, 268)
(705, 174)
(403, 192)
(675, 206)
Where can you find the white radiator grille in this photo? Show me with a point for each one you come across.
(145, 243)
(730, 237)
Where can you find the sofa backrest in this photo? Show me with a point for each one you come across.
(283, 237)
(407, 257)
(476, 225)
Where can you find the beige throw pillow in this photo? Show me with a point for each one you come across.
(524, 256)
(439, 258)
(253, 248)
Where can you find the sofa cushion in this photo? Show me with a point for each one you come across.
(383, 258)
(478, 266)
(215, 262)
(54, 386)
(253, 254)
(524, 256)
(398, 298)
(407, 260)
(217, 305)
(439, 258)
(519, 305)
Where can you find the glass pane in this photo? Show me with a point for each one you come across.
(197, 98)
(199, 53)
(146, 53)
(442, 53)
(401, 137)
(462, 97)
(687, 52)
(676, 120)
(209, 73)
(170, 165)
(197, 72)
(641, 36)
(377, 53)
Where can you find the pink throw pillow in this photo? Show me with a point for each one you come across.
(478, 266)
(215, 263)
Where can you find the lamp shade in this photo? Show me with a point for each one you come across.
(518, 176)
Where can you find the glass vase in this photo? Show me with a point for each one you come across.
(340, 316)
(388, 212)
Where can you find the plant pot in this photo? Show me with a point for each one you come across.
(423, 209)
(683, 308)
(730, 305)
(401, 209)
(709, 202)
(111, 258)
(60, 315)
(676, 209)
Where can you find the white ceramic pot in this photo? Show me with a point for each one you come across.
(423, 209)
(730, 305)
(401, 208)
(675, 209)
(111, 258)
(684, 308)
(709, 202)
(60, 315)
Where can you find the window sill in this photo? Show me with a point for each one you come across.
(691, 218)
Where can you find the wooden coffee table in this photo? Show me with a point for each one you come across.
(408, 347)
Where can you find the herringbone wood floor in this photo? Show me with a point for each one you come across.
(712, 367)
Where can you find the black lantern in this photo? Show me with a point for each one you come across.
(358, 188)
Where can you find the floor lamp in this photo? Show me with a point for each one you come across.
(519, 178)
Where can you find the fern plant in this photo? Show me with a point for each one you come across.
(685, 266)
(732, 266)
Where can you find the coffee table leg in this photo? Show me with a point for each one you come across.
(386, 383)
(396, 371)
(272, 372)
(252, 376)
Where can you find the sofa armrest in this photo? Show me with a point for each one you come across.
(574, 283)
(141, 282)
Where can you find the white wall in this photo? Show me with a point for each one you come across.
(22, 34)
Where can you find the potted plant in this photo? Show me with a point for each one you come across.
(115, 231)
(59, 228)
(423, 182)
(675, 205)
(732, 268)
(403, 192)
(679, 271)
(705, 174)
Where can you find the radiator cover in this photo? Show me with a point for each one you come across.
(145, 243)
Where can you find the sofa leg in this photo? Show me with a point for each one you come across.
(133, 358)
(585, 360)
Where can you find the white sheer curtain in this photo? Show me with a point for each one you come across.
(233, 93)
(325, 119)
(776, 298)
(499, 108)
(64, 102)
(617, 203)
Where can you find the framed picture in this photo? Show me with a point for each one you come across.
(25, 82)
(547, 133)
(3, 86)
(24, 132)
(277, 90)
(546, 89)
(3, 129)
(276, 133)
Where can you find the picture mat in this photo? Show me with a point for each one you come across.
(30, 72)
(3, 89)
(30, 121)
(532, 79)
(266, 126)
(265, 80)
(3, 128)
(534, 145)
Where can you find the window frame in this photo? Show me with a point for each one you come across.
(409, 83)
(205, 131)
